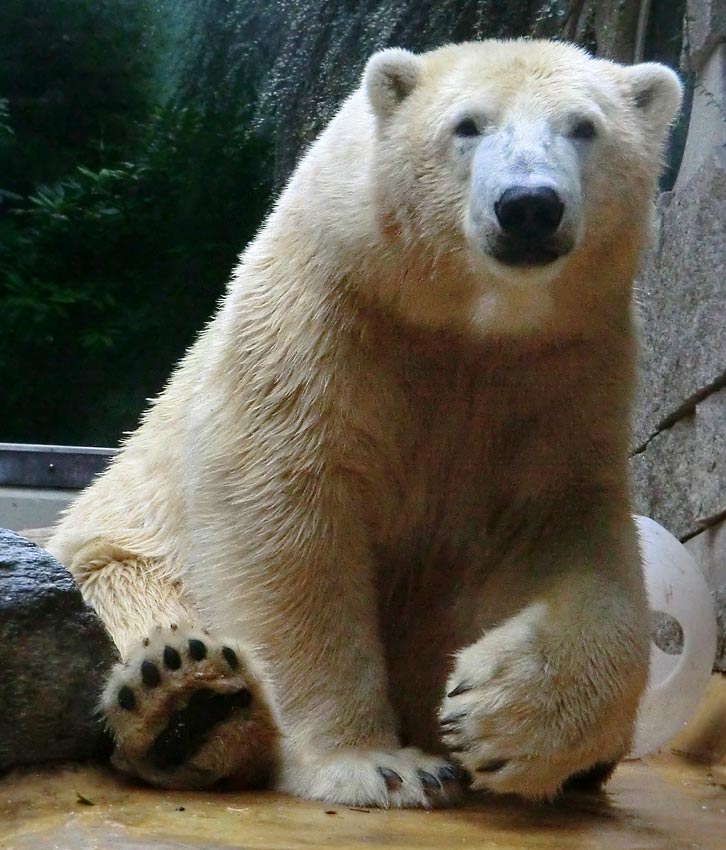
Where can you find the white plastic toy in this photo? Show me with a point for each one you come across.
(676, 683)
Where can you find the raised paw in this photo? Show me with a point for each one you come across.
(406, 778)
(187, 710)
(523, 720)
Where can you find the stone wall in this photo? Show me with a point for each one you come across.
(679, 449)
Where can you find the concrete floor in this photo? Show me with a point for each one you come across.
(668, 803)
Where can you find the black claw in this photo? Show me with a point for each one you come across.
(491, 766)
(197, 650)
(149, 674)
(451, 721)
(428, 780)
(391, 778)
(172, 659)
(461, 688)
(126, 698)
(449, 773)
(230, 657)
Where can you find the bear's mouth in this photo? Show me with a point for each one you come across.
(520, 254)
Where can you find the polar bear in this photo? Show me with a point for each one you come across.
(373, 540)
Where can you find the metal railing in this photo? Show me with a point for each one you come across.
(51, 467)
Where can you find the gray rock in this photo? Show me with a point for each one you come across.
(709, 551)
(719, 602)
(682, 300)
(661, 478)
(679, 479)
(706, 124)
(708, 479)
(679, 471)
(706, 26)
(708, 547)
(56, 652)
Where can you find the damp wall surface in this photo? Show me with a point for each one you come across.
(299, 59)
(679, 442)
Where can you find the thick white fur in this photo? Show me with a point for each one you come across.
(386, 465)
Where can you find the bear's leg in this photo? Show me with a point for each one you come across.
(185, 708)
(310, 602)
(340, 742)
(551, 692)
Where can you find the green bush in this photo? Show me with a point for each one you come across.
(106, 274)
(77, 75)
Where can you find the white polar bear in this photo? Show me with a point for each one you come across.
(393, 466)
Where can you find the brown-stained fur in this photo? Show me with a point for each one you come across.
(387, 470)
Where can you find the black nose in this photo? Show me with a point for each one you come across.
(529, 213)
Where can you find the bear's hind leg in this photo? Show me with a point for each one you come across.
(185, 709)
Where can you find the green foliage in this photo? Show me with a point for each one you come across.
(75, 74)
(123, 203)
(134, 165)
(106, 274)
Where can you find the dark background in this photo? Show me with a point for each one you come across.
(142, 142)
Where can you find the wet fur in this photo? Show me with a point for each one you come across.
(379, 470)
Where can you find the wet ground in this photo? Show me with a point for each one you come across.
(668, 803)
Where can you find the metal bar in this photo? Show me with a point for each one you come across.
(54, 467)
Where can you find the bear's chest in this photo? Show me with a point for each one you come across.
(461, 477)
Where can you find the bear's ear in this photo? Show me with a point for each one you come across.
(656, 93)
(389, 78)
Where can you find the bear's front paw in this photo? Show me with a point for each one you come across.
(522, 718)
(406, 778)
(185, 711)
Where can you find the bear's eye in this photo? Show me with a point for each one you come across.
(583, 129)
(466, 128)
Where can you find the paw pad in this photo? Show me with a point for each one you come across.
(126, 698)
(172, 659)
(230, 656)
(150, 675)
(179, 690)
(187, 729)
(197, 650)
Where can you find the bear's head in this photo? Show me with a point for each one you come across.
(521, 172)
